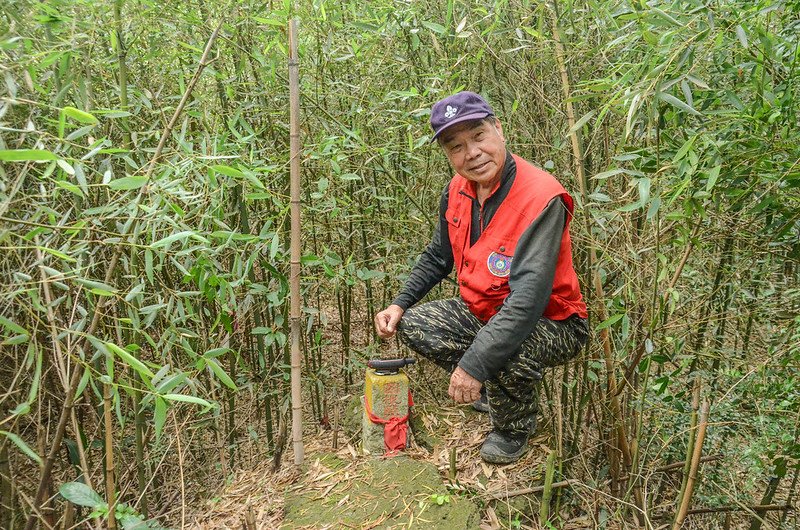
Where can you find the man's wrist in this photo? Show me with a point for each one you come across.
(473, 371)
(402, 302)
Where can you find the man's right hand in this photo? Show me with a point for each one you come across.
(386, 321)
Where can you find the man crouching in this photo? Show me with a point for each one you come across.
(504, 224)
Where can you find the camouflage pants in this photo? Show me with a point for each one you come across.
(443, 330)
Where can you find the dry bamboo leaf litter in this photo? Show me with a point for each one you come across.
(466, 431)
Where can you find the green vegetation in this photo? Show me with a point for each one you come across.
(144, 155)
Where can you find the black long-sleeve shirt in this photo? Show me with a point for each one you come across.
(530, 280)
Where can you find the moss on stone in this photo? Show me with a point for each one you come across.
(382, 493)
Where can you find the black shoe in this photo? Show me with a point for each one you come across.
(482, 403)
(504, 448)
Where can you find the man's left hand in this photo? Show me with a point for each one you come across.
(463, 387)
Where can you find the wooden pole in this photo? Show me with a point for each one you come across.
(294, 263)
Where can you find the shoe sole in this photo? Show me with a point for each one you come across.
(503, 458)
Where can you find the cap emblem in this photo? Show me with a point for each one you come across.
(450, 112)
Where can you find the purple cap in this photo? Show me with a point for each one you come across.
(457, 108)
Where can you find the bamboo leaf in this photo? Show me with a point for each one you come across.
(176, 237)
(131, 361)
(83, 383)
(270, 21)
(80, 177)
(434, 27)
(79, 115)
(663, 15)
(741, 35)
(68, 169)
(70, 187)
(609, 321)
(273, 248)
(26, 155)
(95, 285)
(81, 494)
(655, 204)
(37, 375)
(607, 174)
(160, 415)
(12, 326)
(20, 443)
(228, 170)
(221, 375)
(644, 190)
(188, 399)
(216, 352)
(148, 265)
(713, 175)
(581, 122)
(132, 182)
(675, 102)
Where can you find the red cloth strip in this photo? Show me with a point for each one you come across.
(395, 430)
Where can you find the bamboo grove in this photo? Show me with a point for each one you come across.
(144, 220)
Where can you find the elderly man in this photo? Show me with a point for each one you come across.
(504, 224)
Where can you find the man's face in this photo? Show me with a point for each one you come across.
(476, 150)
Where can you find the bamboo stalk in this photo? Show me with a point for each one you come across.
(6, 498)
(758, 519)
(687, 463)
(123, 72)
(109, 448)
(61, 368)
(620, 438)
(547, 491)
(294, 263)
(756, 508)
(692, 478)
(139, 428)
(180, 469)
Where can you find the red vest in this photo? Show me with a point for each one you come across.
(483, 269)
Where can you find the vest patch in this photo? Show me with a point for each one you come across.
(499, 264)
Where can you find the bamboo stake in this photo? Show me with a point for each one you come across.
(698, 450)
(294, 263)
(69, 399)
